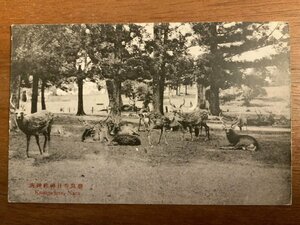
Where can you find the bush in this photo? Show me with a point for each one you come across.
(248, 93)
(137, 91)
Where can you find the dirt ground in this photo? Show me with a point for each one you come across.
(183, 172)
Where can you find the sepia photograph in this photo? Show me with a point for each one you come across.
(150, 113)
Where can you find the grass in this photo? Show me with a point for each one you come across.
(183, 172)
(274, 148)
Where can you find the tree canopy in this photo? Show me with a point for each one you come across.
(212, 55)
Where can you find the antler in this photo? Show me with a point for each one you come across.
(182, 103)
(108, 114)
(258, 112)
(174, 106)
(117, 119)
(221, 118)
(84, 122)
(12, 106)
(23, 108)
(234, 123)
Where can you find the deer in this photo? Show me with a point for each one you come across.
(112, 130)
(242, 122)
(33, 125)
(154, 121)
(191, 120)
(122, 133)
(237, 141)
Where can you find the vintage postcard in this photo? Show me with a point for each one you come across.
(150, 113)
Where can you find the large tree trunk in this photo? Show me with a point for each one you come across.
(43, 103)
(201, 101)
(35, 93)
(161, 32)
(15, 90)
(15, 87)
(162, 91)
(178, 90)
(114, 96)
(120, 96)
(19, 92)
(214, 103)
(158, 94)
(80, 110)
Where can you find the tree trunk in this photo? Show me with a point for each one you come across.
(19, 92)
(158, 94)
(186, 90)
(15, 90)
(214, 103)
(177, 90)
(35, 93)
(120, 96)
(15, 86)
(201, 101)
(80, 110)
(161, 32)
(114, 96)
(43, 103)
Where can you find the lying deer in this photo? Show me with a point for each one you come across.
(191, 120)
(237, 141)
(112, 130)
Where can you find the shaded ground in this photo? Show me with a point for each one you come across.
(183, 172)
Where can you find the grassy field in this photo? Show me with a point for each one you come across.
(183, 172)
(277, 101)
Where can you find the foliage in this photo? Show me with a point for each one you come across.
(249, 93)
(137, 91)
(122, 52)
(225, 43)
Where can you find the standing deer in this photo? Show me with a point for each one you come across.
(154, 121)
(191, 120)
(34, 125)
(242, 122)
(237, 141)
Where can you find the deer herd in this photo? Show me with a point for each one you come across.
(113, 130)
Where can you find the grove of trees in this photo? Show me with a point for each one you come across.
(147, 58)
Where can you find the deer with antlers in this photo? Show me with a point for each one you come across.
(154, 121)
(237, 141)
(34, 125)
(111, 130)
(194, 120)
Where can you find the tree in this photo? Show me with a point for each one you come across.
(117, 50)
(181, 72)
(168, 45)
(22, 60)
(202, 72)
(35, 55)
(227, 41)
(76, 56)
(135, 91)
